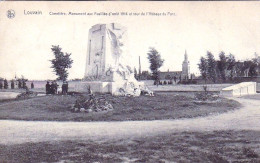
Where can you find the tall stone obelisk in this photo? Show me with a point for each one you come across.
(108, 68)
(106, 44)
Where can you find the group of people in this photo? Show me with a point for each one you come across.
(21, 84)
(54, 88)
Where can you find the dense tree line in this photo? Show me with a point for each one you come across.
(226, 67)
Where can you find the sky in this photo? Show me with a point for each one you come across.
(197, 27)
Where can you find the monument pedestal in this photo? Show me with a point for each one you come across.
(106, 87)
(95, 86)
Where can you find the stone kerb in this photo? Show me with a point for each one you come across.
(241, 89)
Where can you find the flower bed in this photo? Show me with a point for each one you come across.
(91, 104)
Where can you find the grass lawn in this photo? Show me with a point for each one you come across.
(162, 106)
(217, 146)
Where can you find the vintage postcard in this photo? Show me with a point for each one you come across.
(125, 81)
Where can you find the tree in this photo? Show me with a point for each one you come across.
(1, 84)
(203, 67)
(155, 63)
(251, 65)
(253, 70)
(256, 62)
(135, 74)
(211, 67)
(240, 68)
(222, 65)
(61, 63)
(231, 63)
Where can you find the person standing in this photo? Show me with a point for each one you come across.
(19, 84)
(66, 87)
(12, 84)
(54, 87)
(48, 88)
(32, 85)
(5, 84)
(63, 87)
(1, 84)
(23, 84)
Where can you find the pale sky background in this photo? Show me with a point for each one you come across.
(198, 27)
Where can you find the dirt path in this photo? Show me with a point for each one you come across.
(12, 132)
(8, 95)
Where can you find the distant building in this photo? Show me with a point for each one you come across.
(183, 75)
(169, 75)
(145, 75)
(172, 75)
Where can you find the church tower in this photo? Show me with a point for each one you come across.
(185, 67)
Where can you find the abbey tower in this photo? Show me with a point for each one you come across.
(185, 67)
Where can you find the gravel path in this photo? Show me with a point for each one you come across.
(13, 132)
(8, 95)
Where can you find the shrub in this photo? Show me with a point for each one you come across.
(250, 153)
(190, 81)
(206, 96)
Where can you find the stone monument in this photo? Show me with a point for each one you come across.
(107, 66)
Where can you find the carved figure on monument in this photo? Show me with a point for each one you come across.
(117, 44)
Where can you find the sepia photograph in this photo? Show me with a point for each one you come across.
(120, 81)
